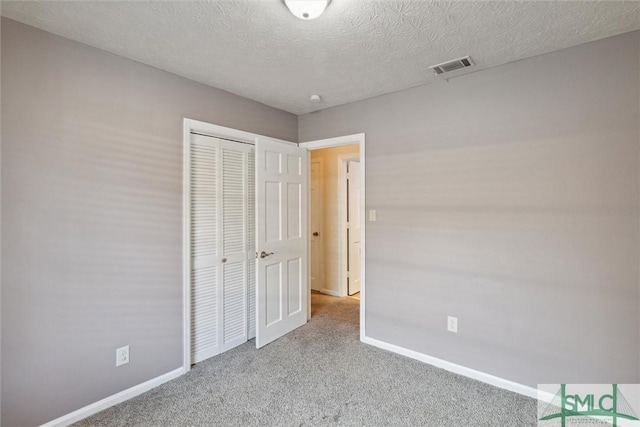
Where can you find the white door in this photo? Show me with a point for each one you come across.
(204, 248)
(317, 273)
(353, 228)
(222, 249)
(234, 244)
(281, 238)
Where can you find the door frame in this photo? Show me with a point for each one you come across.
(320, 217)
(190, 125)
(339, 141)
(343, 249)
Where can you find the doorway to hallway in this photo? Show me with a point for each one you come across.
(336, 252)
(335, 232)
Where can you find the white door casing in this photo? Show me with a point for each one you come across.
(281, 238)
(353, 226)
(316, 229)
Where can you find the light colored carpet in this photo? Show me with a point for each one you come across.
(320, 374)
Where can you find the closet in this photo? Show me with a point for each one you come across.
(222, 235)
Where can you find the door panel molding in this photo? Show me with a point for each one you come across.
(342, 219)
(352, 225)
(281, 204)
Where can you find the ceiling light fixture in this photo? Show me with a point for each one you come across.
(306, 9)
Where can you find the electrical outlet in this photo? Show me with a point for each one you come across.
(452, 324)
(122, 355)
(372, 215)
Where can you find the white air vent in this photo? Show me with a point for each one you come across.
(448, 66)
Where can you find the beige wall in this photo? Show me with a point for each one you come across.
(509, 198)
(330, 214)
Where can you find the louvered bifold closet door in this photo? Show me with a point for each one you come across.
(234, 243)
(251, 250)
(204, 218)
(222, 218)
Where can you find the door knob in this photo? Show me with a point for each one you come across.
(316, 234)
(264, 254)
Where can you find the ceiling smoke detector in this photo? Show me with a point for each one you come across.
(449, 66)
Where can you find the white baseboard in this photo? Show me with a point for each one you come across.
(107, 402)
(458, 369)
(330, 292)
(129, 393)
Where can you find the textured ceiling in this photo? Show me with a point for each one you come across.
(357, 49)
